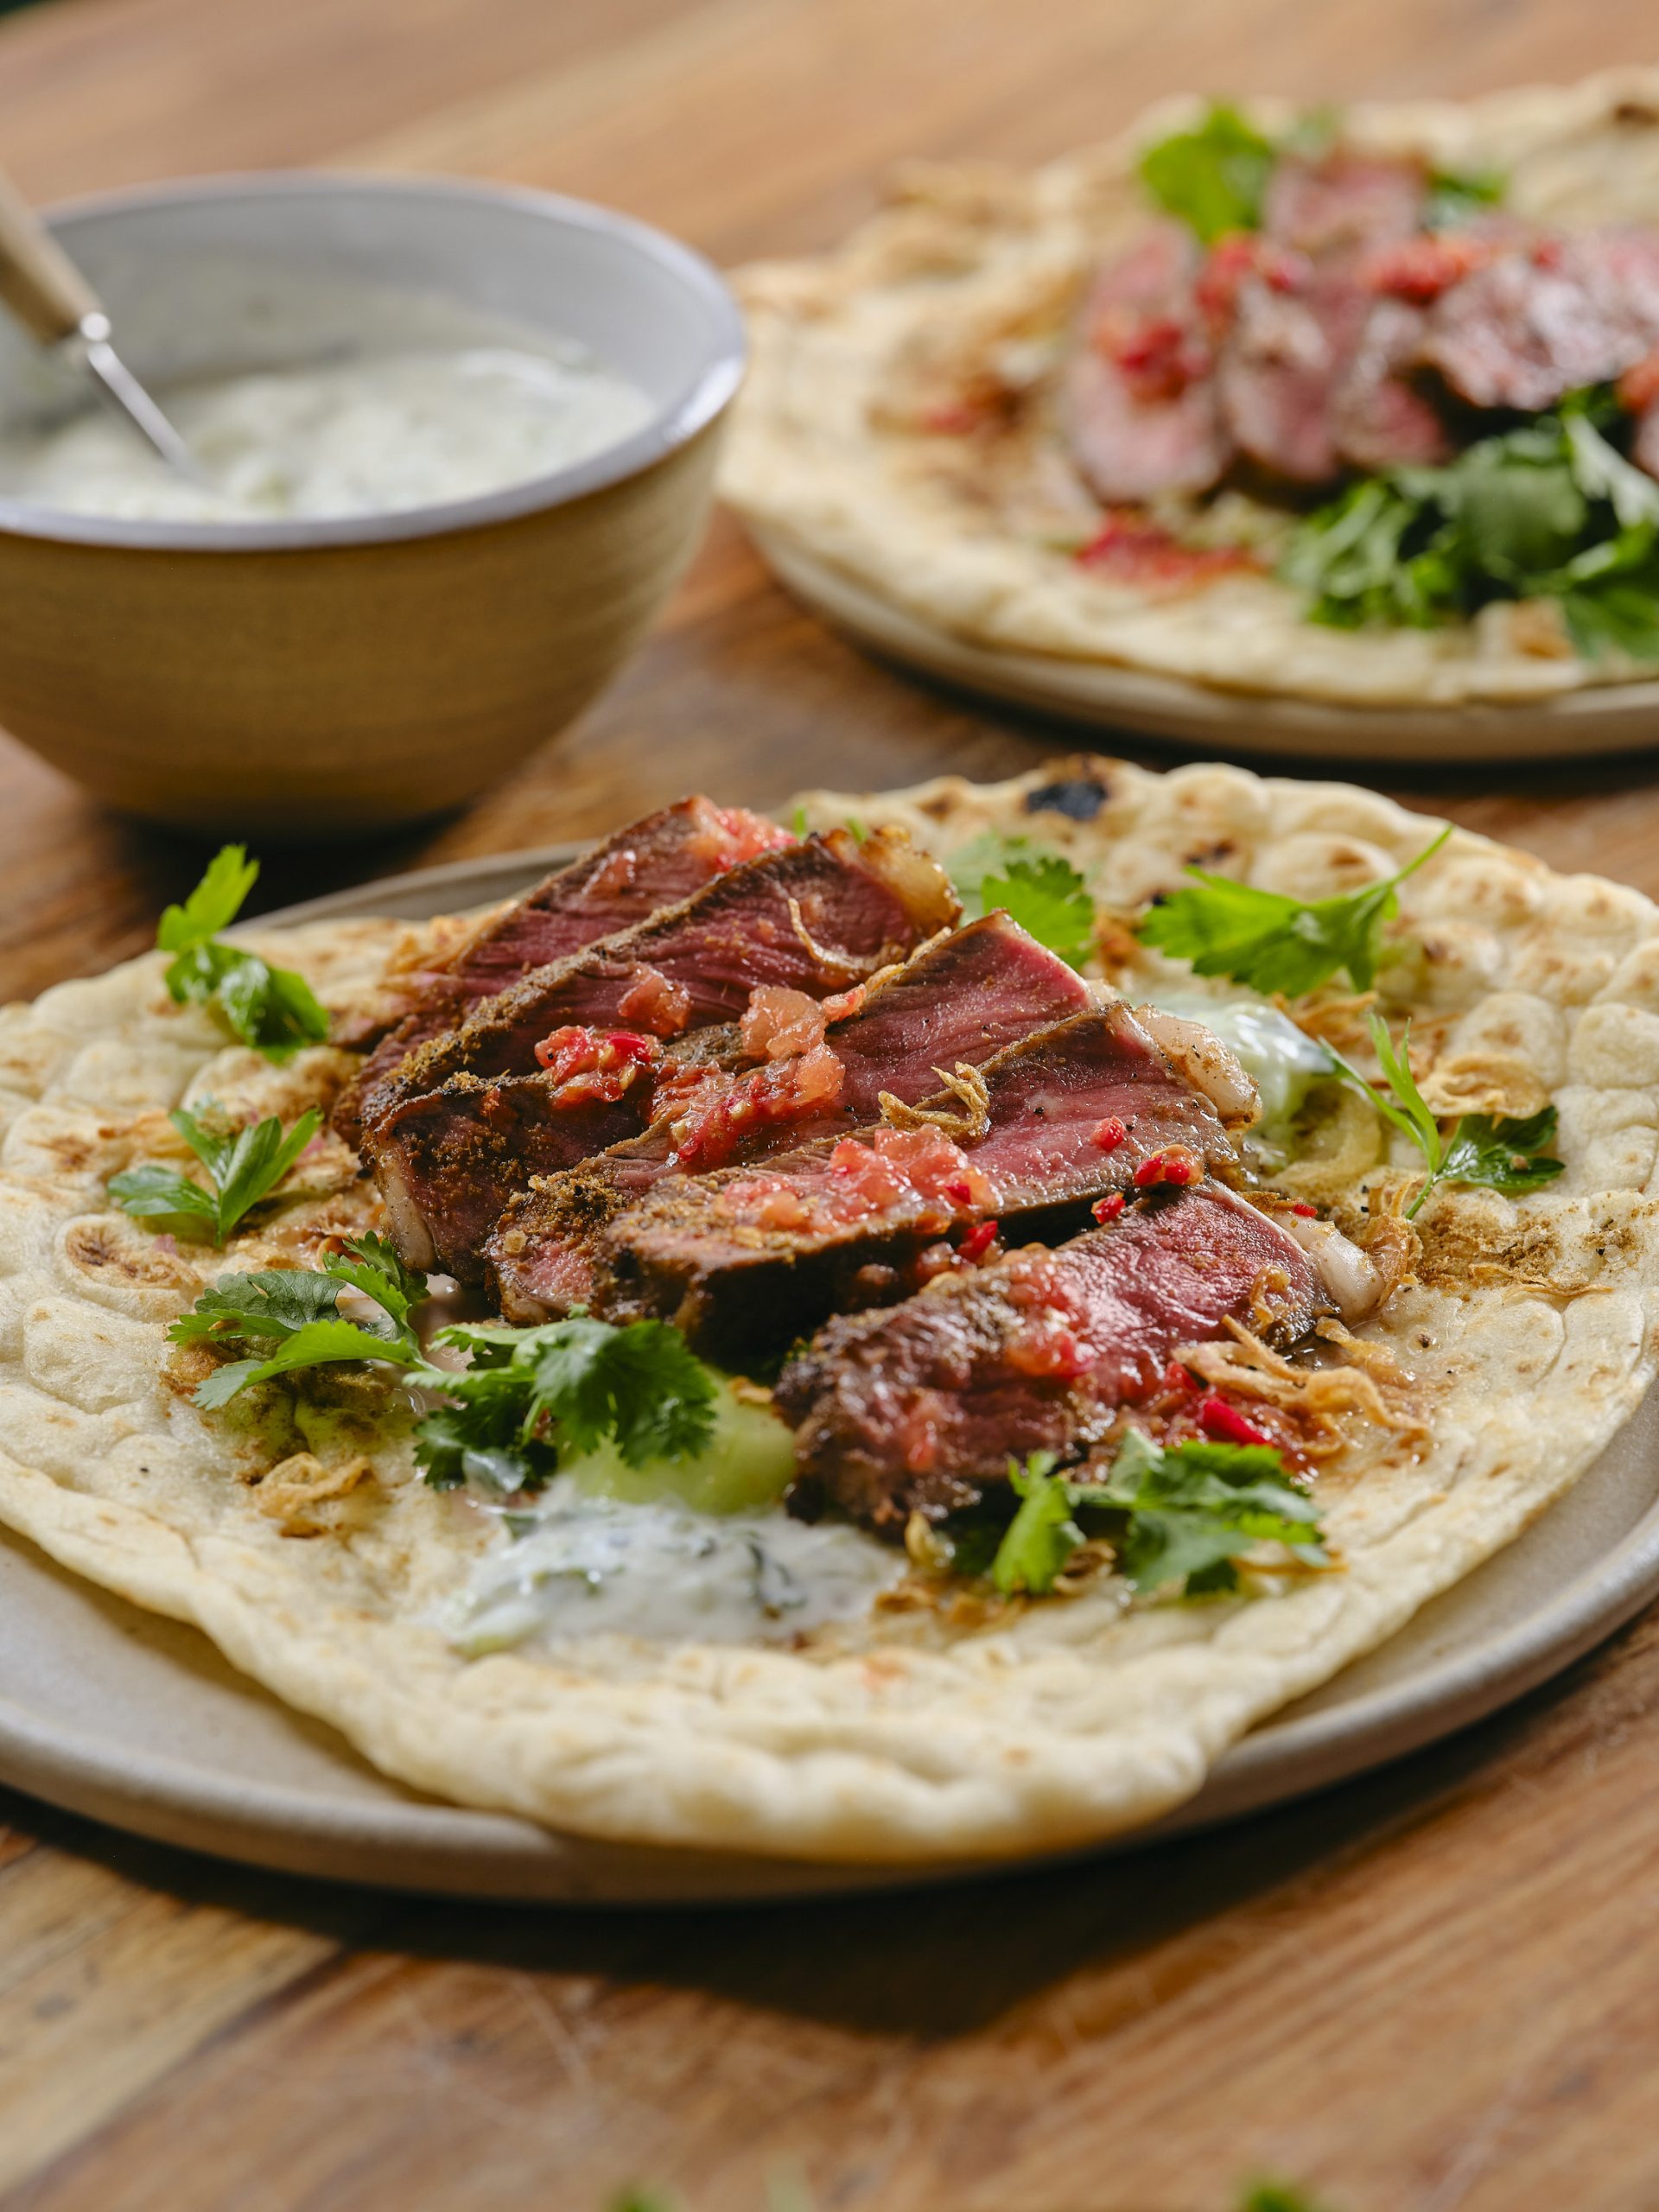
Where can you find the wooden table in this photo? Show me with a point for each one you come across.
(1432, 1991)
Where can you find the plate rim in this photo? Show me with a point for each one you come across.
(429, 1846)
(1593, 721)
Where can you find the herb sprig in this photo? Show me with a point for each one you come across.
(1275, 942)
(1550, 511)
(1038, 888)
(272, 1009)
(1179, 1516)
(244, 1165)
(1212, 178)
(1493, 1153)
(525, 1398)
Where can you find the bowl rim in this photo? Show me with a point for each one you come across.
(671, 426)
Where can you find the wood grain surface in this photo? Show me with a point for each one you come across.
(1431, 1990)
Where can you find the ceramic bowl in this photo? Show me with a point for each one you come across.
(312, 678)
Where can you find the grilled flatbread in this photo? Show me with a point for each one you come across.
(293, 1529)
(977, 269)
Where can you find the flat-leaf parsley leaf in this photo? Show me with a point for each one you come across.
(1549, 510)
(1275, 942)
(1040, 889)
(244, 1164)
(1495, 1153)
(1213, 177)
(1177, 1516)
(271, 1009)
(525, 1396)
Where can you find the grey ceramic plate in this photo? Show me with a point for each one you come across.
(1610, 718)
(112, 1712)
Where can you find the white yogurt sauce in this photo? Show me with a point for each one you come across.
(588, 1565)
(380, 431)
(1282, 1061)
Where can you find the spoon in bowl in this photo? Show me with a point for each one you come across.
(56, 305)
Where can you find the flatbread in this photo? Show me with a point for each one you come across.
(972, 259)
(299, 1539)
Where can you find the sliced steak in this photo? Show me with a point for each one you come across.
(920, 1407)
(812, 918)
(1342, 203)
(744, 1261)
(959, 999)
(1536, 323)
(1381, 418)
(655, 861)
(1137, 406)
(1297, 323)
(1287, 356)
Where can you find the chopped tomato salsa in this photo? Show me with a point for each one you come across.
(596, 1066)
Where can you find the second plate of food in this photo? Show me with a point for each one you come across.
(1328, 435)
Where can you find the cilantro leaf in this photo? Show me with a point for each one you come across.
(988, 854)
(244, 1164)
(1550, 511)
(1049, 898)
(272, 1009)
(1455, 200)
(274, 1302)
(1181, 1515)
(1496, 1153)
(317, 1344)
(153, 1191)
(1499, 1152)
(1275, 942)
(1042, 1536)
(526, 1397)
(1213, 177)
(370, 1264)
(213, 905)
(641, 1384)
(1194, 1508)
(1040, 889)
(478, 1445)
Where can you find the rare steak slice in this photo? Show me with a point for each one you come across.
(1343, 202)
(959, 999)
(1298, 319)
(920, 1407)
(1536, 322)
(655, 861)
(448, 1154)
(1071, 1115)
(1381, 416)
(1288, 354)
(449, 1160)
(1137, 405)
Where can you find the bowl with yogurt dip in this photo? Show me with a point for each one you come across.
(457, 444)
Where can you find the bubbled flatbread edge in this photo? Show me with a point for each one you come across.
(1061, 1723)
(969, 248)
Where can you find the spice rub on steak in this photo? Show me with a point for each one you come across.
(654, 862)
(961, 999)
(459, 1128)
(1070, 1117)
(919, 1407)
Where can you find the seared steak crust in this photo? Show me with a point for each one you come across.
(651, 863)
(813, 918)
(959, 999)
(746, 1259)
(920, 1407)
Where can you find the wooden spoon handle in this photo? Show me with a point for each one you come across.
(38, 282)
